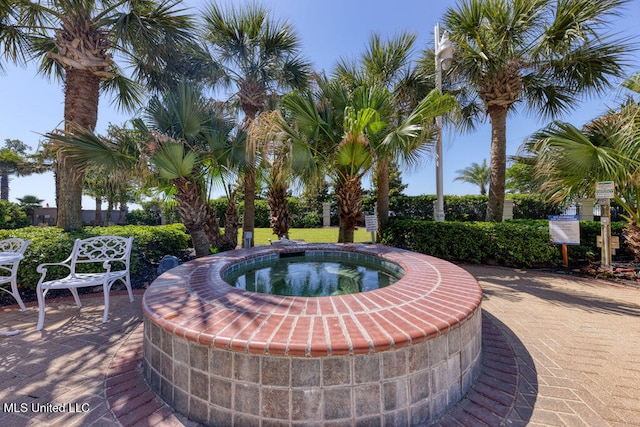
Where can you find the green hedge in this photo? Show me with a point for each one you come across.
(464, 208)
(51, 244)
(516, 243)
(12, 216)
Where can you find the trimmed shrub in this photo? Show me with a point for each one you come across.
(51, 244)
(309, 219)
(464, 208)
(533, 206)
(142, 217)
(517, 243)
(304, 214)
(12, 216)
(262, 215)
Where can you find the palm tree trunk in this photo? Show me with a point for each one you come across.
(98, 219)
(200, 242)
(212, 228)
(108, 216)
(249, 217)
(230, 239)
(498, 166)
(82, 91)
(631, 234)
(69, 195)
(122, 218)
(4, 186)
(193, 213)
(278, 205)
(349, 201)
(382, 199)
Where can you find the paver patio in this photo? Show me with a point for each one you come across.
(558, 351)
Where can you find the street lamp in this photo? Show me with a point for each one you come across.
(443, 57)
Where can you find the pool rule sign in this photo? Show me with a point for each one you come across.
(371, 224)
(605, 191)
(564, 230)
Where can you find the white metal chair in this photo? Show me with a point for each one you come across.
(11, 252)
(112, 252)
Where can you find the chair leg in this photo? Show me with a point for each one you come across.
(40, 295)
(16, 294)
(106, 290)
(128, 285)
(74, 292)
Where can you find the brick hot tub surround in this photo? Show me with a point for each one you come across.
(400, 355)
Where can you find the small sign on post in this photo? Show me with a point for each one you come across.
(564, 230)
(605, 191)
(614, 243)
(371, 224)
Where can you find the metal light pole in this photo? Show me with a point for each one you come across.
(443, 57)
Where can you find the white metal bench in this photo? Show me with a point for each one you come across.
(112, 252)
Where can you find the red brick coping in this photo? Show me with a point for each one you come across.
(192, 301)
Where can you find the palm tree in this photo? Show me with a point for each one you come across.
(339, 127)
(386, 63)
(114, 185)
(284, 161)
(29, 204)
(543, 53)
(260, 56)
(77, 42)
(176, 163)
(14, 160)
(570, 161)
(277, 186)
(475, 174)
(95, 186)
(520, 177)
(179, 141)
(12, 43)
(193, 136)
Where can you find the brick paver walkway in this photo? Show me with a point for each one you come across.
(557, 352)
(577, 344)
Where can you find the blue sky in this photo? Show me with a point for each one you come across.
(31, 106)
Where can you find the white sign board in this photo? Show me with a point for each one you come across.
(371, 223)
(564, 229)
(605, 190)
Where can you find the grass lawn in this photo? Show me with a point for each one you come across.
(324, 235)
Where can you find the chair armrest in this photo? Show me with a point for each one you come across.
(107, 265)
(41, 268)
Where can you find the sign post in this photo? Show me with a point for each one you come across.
(605, 191)
(371, 224)
(564, 230)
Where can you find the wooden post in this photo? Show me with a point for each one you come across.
(605, 191)
(565, 255)
(605, 229)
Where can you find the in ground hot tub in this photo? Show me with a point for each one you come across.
(400, 355)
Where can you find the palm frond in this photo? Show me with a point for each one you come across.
(174, 161)
(129, 93)
(83, 148)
